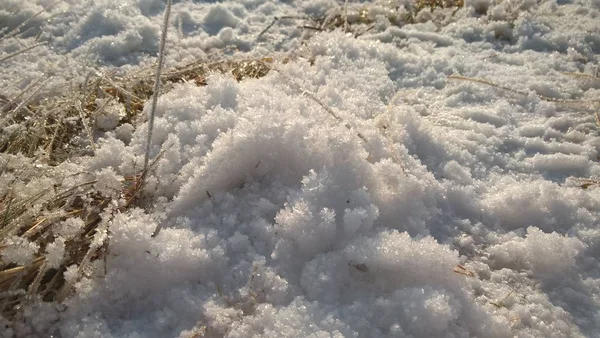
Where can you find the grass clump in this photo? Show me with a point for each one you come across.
(54, 225)
(59, 227)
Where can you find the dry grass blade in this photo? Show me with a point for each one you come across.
(16, 211)
(433, 4)
(86, 126)
(38, 278)
(35, 285)
(17, 29)
(50, 126)
(161, 55)
(118, 90)
(16, 296)
(345, 16)
(485, 82)
(461, 270)
(359, 20)
(8, 274)
(21, 51)
(320, 103)
(585, 183)
(276, 19)
(41, 124)
(13, 102)
(268, 27)
(33, 93)
(501, 302)
(6, 205)
(240, 69)
(83, 264)
(11, 106)
(514, 91)
(582, 75)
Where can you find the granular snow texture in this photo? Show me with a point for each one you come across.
(437, 207)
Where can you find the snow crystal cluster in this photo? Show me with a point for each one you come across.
(437, 207)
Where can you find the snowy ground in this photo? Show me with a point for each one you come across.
(449, 208)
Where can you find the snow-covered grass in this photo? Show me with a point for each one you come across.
(317, 169)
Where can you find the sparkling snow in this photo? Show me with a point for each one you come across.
(449, 208)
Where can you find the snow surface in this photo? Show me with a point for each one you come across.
(279, 221)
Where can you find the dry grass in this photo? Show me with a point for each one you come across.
(53, 130)
(587, 105)
(433, 4)
(19, 31)
(58, 126)
(582, 104)
(37, 280)
(360, 20)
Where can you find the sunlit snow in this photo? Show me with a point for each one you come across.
(438, 207)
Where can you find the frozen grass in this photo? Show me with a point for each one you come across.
(51, 132)
(66, 202)
(156, 91)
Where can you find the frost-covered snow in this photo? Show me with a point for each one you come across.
(277, 220)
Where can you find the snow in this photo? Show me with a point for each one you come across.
(437, 207)
(56, 252)
(18, 250)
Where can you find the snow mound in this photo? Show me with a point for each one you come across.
(279, 220)
(357, 190)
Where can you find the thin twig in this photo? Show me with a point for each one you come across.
(311, 28)
(268, 27)
(357, 34)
